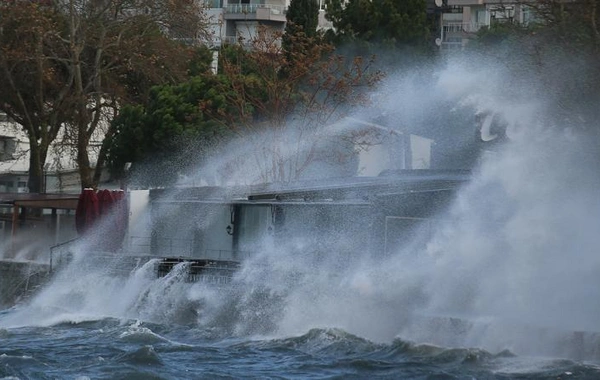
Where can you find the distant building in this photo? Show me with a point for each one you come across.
(237, 21)
(60, 171)
(462, 19)
(234, 21)
(372, 148)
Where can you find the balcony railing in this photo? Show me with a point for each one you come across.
(231, 40)
(252, 8)
(461, 27)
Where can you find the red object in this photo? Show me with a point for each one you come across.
(87, 211)
(112, 208)
(106, 202)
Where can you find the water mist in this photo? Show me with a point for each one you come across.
(514, 258)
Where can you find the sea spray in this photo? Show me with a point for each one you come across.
(515, 250)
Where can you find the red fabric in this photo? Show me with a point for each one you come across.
(112, 208)
(106, 202)
(87, 211)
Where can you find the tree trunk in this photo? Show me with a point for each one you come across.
(37, 158)
(102, 156)
(83, 162)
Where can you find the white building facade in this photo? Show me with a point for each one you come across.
(462, 19)
(237, 21)
(60, 170)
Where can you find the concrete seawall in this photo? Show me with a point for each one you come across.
(20, 278)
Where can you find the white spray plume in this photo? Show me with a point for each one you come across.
(517, 247)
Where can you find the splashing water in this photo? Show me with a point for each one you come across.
(513, 259)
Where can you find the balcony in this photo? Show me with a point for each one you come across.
(461, 27)
(465, 2)
(255, 12)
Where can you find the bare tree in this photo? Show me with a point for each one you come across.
(117, 50)
(69, 65)
(287, 94)
(36, 88)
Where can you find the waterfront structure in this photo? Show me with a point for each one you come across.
(31, 223)
(369, 214)
(214, 229)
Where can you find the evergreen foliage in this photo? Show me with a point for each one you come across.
(388, 22)
(303, 15)
(171, 133)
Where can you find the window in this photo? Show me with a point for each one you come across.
(214, 3)
(528, 15)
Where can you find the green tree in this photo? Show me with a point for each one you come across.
(303, 14)
(390, 22)
(171, 133)
(302, 21)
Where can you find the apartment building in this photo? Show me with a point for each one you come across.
(237, 21)
(234, 21)
(462, 19)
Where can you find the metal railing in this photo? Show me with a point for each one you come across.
(61, 254)
(461, 27)
(215, 266)
(251, 8)
(23, 284)
(203, 270)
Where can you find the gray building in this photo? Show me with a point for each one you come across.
(366, 214)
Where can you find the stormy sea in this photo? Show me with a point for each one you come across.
(504, 285)
(126, 349)
(282, 319)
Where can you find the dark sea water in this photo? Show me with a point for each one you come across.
(128, 349)
(110, 349)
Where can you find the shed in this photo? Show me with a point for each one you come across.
(30, 206)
